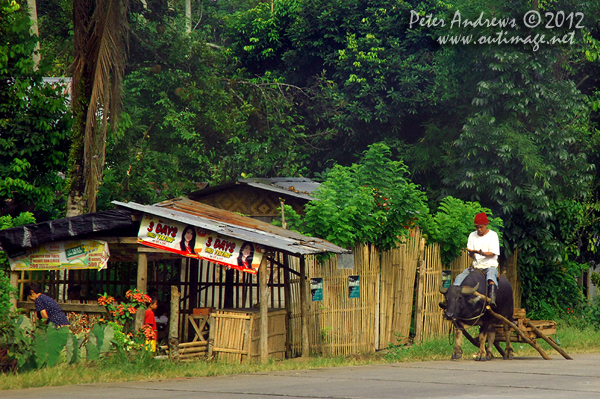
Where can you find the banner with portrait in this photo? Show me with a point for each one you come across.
(194, 242)
(67, 255)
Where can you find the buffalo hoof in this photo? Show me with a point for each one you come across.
(480, 358)
(456, 355)
(509, 355)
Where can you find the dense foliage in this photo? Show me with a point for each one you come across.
(6, 289)
(34, 122)
(303, 87)
(372, 201)
(453, 222)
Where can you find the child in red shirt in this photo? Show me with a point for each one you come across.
(149, 315)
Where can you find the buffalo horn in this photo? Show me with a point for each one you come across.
(443, 289)
(469, 290)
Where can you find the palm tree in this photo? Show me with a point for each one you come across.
(100, 50)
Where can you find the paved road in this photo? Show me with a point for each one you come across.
(523, 378)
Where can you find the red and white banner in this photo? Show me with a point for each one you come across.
(194, 242)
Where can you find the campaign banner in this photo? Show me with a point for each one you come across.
(67, 255)
(169, 235)
(231, 252)
(194, 242)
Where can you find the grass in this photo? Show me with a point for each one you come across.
(120, 368)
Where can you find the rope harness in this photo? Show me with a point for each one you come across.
(483, 308)
(452, 330)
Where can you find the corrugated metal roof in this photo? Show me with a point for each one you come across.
(234, 225)
(300, 187)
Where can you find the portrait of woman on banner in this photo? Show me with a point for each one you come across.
(246, 255)
(188, 240)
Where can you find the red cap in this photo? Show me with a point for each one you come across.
(481, 218)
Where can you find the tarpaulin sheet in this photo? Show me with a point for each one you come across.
(34, 235)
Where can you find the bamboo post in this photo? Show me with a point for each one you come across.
(420, 294)
(518, 331)
(174, 325)
(548, 340)
(304, 308)
(142, 279)
(264, 310)
(377, 305)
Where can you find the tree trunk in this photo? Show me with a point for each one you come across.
(100, 34)
(31, 4)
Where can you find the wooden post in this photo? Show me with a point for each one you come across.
(304, 308)
(174, 325)
(142, 279)
(283, 223)
(288, 306)
(14, 281)
(420, 295)
(264, 310)
(211, 338)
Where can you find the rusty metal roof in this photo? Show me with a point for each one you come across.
(234, 225)
(299, 187)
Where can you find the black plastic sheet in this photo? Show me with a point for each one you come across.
(32, 235)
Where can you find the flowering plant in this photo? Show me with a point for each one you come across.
(138, 297)
(148, 332)
(123, 340)
(123, 312)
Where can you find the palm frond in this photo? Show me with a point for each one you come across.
(101, 37)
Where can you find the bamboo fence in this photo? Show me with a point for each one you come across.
(347, 325)
(339, 325)
(398, 272)
(433, 322)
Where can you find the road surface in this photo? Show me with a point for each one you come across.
(523, 378)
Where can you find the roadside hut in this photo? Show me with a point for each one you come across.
(145, 246)
(259, 198)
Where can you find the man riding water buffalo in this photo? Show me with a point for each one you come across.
(462, 303)
(484, 247)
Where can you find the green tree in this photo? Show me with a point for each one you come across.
(523, 144)
(370, 72)
(7, 290)
(34, 121)
(372, 201)
(187, 121)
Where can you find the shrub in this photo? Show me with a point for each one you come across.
(452, 223)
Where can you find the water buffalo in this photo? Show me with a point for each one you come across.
(464, 307)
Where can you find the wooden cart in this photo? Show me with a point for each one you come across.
(528, 326)
(527, 331)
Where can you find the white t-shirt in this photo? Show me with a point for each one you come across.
(486, 243)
